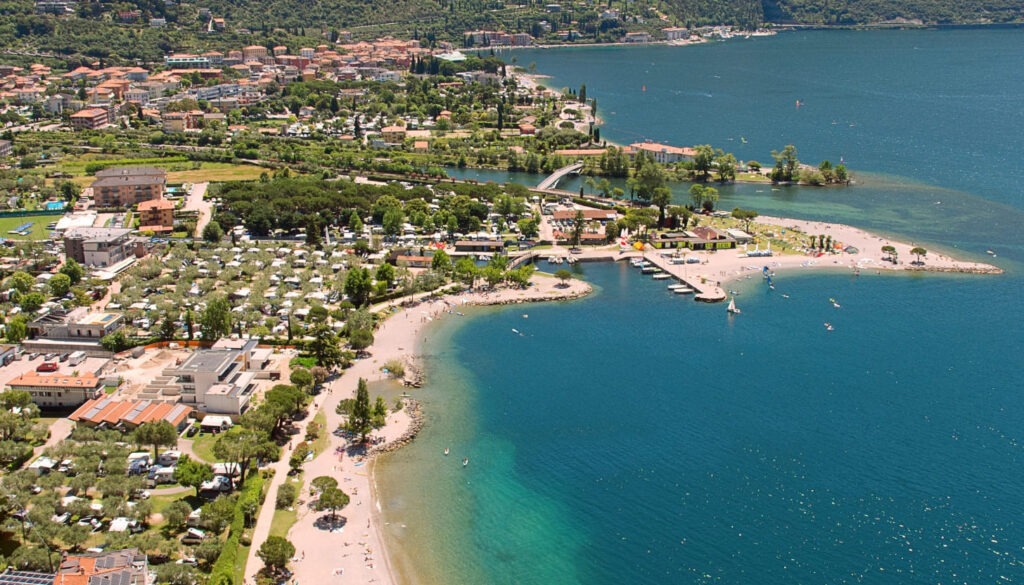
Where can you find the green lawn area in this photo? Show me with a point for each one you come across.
(217, 172)
(39, 223)
(283, 522)
(202, 445)
(321, 442)
(207, 171)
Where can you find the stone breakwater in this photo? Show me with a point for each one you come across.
(556, 296)
(984, 269)
(415, 426)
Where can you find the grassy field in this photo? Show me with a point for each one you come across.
(178, 172)
(216, 173)
(322, 440)
(39, 231)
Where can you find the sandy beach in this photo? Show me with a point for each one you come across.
(352, 550)
(729, 265)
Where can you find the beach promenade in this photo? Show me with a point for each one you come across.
(352, 550)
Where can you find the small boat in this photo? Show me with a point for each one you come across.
(661, 276)
(834, 303)
(465, 461)
(683, 291)
(676, 286)
(734, 292)
(785, 296)
(516, 331)
(732, 309)
(829, 327)
(650, 269)
(990, 253)
(446, 451)
(743, 139)
(525, 316)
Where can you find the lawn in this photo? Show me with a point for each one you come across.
(39, 231)
(217, 172)
(202, 446)
(324, 438)
(178, 172)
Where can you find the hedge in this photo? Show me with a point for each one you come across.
(223, 572)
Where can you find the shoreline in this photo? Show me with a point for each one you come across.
(400, 336)
(355, 549)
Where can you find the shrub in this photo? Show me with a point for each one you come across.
(286, 495)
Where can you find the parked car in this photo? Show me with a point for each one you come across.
(47, 367)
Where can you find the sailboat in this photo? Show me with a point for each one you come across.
(732, 310)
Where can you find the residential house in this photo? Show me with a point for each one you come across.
(90, 119)
(156, 215)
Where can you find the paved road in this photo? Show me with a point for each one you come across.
(59, 431)
(195, 202)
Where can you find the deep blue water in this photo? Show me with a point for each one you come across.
(637, 437)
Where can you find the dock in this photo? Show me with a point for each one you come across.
(706, 289)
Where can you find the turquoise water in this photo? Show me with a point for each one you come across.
(636, 437)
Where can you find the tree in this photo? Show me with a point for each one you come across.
(746, 216)
(355, 223)
(785, 163)
(360, 339)
(212, 233)
(578, 223)
(115, 342)
(156, 434)
(275, 552)
(358, 285)
(189, 324)
(891, 251)
(703, 159)
(385, 273)
(218, 513)
(16, 329)
(325, 346)
(216, 319)
(168, 327)
(302, 378)
(661, 198)
(192, 473)
(20, 281)
(360, 421)
(60, 284)
(441, 262)
(919, 251)
(650, 177)
(466, 271)
(30, 302)
(563, 275)
(332, 499)
(726, 163)
(241, 445)
(178, 511)
(299, 455)
(322, 483)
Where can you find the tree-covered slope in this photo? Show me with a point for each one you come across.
(856, 12)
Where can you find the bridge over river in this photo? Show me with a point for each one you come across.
(555, 177)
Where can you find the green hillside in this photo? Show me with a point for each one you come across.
(99, 30)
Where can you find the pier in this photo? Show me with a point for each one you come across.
(706, 289)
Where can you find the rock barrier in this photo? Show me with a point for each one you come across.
(415, 426)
